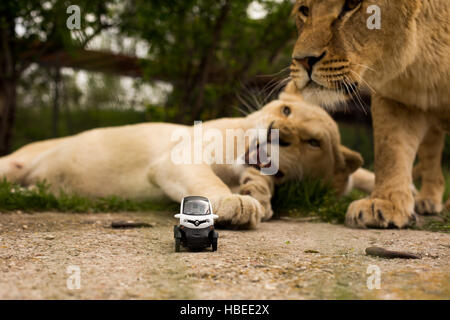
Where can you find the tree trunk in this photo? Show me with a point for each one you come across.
(8, 83)
(56, 102)
(205, 65)
(7, 113)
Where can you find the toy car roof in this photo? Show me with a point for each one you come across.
(193, 198)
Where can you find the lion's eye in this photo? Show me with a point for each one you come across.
(351, 4)
(304, 10)
(313, 143)
(286, 111)
(283, 143)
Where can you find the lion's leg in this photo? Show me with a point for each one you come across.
(429, 199)
(260, 187)
(398, 133)
(178, 181)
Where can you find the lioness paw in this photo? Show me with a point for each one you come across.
(378, 213)
(238, 211)
(427, 206)
(261, 193)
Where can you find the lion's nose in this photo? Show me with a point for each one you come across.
(308, 62)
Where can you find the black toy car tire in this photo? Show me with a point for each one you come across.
(214, 244)
(177, 244)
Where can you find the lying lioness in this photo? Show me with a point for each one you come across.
(137, 162)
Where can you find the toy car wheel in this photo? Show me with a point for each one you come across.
(214, 244)
(177, 244)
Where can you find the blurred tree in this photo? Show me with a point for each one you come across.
(209, 47)
(31, 28)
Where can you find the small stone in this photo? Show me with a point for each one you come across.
(25, 227)
(49, 237)
(383, 253)
(311, 251)
(130, 224)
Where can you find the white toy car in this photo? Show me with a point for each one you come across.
(196, 228)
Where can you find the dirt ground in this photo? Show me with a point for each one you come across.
(41, 253)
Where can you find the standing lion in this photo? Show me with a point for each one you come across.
(406, 65)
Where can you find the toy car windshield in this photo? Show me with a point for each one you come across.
(196, 207)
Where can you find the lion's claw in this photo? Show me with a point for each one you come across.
(238, 211)
(378, 213)
(427, 206)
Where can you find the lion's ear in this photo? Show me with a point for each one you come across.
(353, 160)
(290, 93)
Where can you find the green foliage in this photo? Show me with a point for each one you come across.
(35, 124)
(358, 138)
(446, 155)
(311, 197)
(207, 48)
(46, 20)
(38, 198)
(447, 183)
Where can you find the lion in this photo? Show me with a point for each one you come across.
(137, 162)
(406, 65)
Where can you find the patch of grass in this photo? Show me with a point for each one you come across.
(38, 198)
(438, 226)
(312, 197)
(444, 225)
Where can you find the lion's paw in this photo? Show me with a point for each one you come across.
(238, 211)
(260, 193)
(427, 206)
(378, 213)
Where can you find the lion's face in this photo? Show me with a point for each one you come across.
(336, 53)
(309, 142)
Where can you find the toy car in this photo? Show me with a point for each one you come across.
(196, 229)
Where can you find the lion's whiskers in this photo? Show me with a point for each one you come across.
(364, 66)
(278, 86)
(356, 93)
(364, 81)
(274, 82)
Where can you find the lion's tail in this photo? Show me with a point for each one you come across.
(364, 180)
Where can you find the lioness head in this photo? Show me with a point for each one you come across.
(309, 142)
(336, 52)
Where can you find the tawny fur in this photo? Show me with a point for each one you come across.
(135, 162)
(406, 65)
